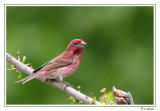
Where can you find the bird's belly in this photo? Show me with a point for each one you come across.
(64, 71)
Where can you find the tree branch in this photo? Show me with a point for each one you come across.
(121, 97)
(71, 91)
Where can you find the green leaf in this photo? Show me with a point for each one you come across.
(28, 64)
(19, 75)
(11, 69)
(12, 66)
(19, 59)
(110, 95)
(24, 59)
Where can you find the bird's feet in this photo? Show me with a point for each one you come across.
(52, 80)
(67, 85)
(55, 80)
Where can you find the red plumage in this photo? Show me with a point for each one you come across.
(61, 66)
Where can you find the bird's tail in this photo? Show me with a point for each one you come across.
(28, 78)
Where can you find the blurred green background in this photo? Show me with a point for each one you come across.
(119, 49)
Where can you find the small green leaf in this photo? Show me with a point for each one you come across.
(110, 95)
(28, 64)
(24, 59)
(11, 69)
(73, 99)
(19, 59)
(93, 101)
(12, 66)
(19, 75)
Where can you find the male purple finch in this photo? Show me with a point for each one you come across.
(63, 65)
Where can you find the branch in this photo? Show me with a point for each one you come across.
(122, 98)
(71, 91)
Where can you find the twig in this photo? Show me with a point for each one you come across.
(71, 91)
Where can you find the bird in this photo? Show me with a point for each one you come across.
(61, 66)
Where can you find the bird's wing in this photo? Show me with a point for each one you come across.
(54, 65)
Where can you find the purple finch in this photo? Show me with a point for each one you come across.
(63, 65)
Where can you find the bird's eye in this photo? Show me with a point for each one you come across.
(75, 43)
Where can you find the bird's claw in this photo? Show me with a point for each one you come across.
(52, 80)
(67, 85)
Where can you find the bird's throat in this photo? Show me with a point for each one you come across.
(75, 50)
(78, 51)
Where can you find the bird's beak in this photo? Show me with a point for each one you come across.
(83, 44)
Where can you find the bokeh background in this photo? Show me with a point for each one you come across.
(119, 51)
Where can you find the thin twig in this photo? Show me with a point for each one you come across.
(71, 91)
